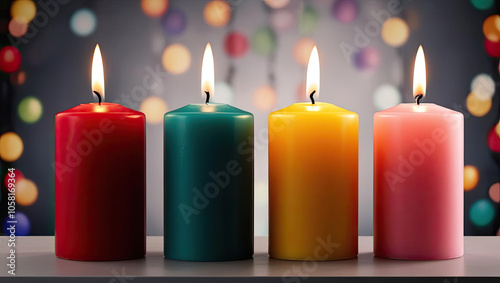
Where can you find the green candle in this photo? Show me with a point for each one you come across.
(208, 182)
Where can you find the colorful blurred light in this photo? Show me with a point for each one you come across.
(83, 22)
(264, 98)
(308, 20)
(18, 27)
(302, 50)
(497, 129)
(18, 78)
(30, 109)
(492, 48)
(11, 146)
(395, 32)
(491, 28)
(176, 58)
(10, 59)
(471, 177)
(345, 11)
(26, 192)
(154, 8)
(282, 20)
(224, 93)
(23, 10)
(482, 212)
(174, 21)
(18, 175)
(23, 225)
(300, 92)
(494, 192)
(367, 59)
(217, 13)
(483, 87)
(477, 107)
(482, 4)
(154, 108)
(277, 4)
(263, 41)
(493, 140)
(386, 96)
(236, 44)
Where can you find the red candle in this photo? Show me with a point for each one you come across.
(100, 193)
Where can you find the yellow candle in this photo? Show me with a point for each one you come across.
(313, 179)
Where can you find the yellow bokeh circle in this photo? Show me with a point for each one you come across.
(264, 98)
(471, 177)
(302, 50)
(497, 128)
(11, 146)
(154, 108)
(23, 10)
(217, 13)
(26, 192)
(154, 8)
(476, 106)
(176, 58)
(395, 32)
(277, 4)
(491, 28)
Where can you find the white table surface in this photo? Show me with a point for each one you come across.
(35, 257)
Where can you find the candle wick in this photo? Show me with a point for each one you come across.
(311, 96)
(208, 97)
(98, 96)
(418, 97)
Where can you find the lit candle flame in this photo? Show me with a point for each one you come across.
(97, 73)
(207, 73)
(419, 74)
(312, 79)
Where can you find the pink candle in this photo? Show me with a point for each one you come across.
(418, 178)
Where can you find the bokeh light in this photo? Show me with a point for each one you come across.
(492, 48)
(471, 177)
(154, 8)
(494, 192)
(282, 20)
(217, 13)
(18, 175)
(367, 59)
(176, 58)
(18, 27)
(24, 10)
(30, 109)
(23, 225)
(26, 192)
(11, 146)
(264, 98)
(300, 92)
(493, 140)
(277, 4)
(482, 212)
(223, 93)
(10, 59)
(236, 44)
(18, 78)
(477, 107)
(263, 41)
(302, 50)
(482, 4)
(395, 32)
(344, 11)
(386, 96)
(483, 87)
(83, 22)
(491, 28)
(174, 21)
(308, 20)
(154, 108)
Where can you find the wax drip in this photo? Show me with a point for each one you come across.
(311, 96)
(418, 97)
(98, 96)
